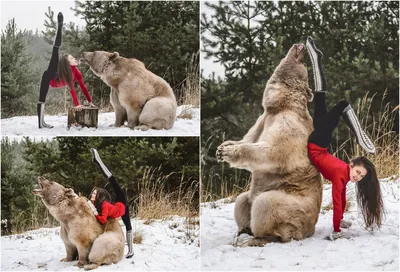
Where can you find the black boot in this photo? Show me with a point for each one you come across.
(97, 160)
(60, 20)
(352, 122)
(40, 112)
(129, 241)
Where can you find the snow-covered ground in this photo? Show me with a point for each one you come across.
(168, 245)
(362, 251)
(28, 126)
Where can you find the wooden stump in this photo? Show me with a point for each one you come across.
(87, 117)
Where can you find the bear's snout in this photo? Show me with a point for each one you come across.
(86, 57)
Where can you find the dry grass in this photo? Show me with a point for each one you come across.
(193, 221)
(148, 221)
(36, 217)
(57, 101)
(186, 113)
(224, 188)
(155, 203)
(217, 184)
(190, 86)
(327, 207)
(386, 141)
(137, 237)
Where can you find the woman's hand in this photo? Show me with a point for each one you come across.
(344, 224)
(336, 235)
(78, 108)
(92, 207)
(92, 105)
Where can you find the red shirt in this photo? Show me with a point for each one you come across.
(338, 172)
(76, 76)
(110, 210)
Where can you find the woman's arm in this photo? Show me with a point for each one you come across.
(73, 95)
(104, 213)
(337, 189)
(83, 86)
(343, 200)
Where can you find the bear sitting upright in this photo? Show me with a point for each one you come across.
(285, 195)
(138, 96)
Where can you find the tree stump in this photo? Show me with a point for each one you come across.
(87, 117)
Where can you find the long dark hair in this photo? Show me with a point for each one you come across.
(368, 192)
(101, 196)
(64, 72)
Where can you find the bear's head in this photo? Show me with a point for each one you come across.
(98, 61)
(292, 71)
(292, 66)
(52, 193)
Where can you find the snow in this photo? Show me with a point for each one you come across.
(361, 251)
(167, 245)
(28, 125)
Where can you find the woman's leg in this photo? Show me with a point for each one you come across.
(350, 117)
(319, 107)
(322, 134)
(316, 60)
(49, 74)
(319, 80)
(120, 197)
(325, 123)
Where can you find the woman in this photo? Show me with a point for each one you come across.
(60, 73)
(360, 170)
(102, 208)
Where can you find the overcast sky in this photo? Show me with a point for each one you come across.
(30, 14)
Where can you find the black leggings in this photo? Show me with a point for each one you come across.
(51, 71)
(325, 122)
(120, 197)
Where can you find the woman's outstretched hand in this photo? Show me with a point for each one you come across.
(78, 108)
(336, 235)
(92, 207)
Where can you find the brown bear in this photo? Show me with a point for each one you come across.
(286, 189)
(84, 238)
(138, 96)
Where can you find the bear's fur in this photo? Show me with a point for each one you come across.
(138, 96)
(286, 189)
(83, 236)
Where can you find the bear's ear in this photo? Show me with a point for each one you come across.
(114, 56)
(69, 192)
(310, 95)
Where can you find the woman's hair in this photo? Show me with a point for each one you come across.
(101, 196)
(64, 72)
(368, 192)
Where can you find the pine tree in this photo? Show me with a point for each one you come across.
(18, 72)
(16, 186)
